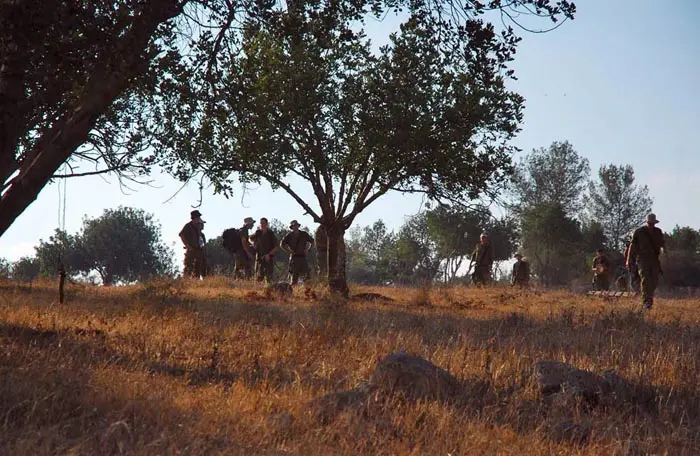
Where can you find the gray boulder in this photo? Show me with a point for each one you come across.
(413, 377)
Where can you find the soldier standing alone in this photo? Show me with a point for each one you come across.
(265, 244)
(521, 272)
(483, 259)
(646, 245)
(194, 241)
(296, 243)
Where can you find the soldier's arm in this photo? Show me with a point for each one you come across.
(309, 241)
(284, 245)
(275, 246)
(184, 238)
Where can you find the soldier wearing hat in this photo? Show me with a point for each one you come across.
(521, 272)
(297, 243)
(646, 246)
(194, 240)
(245, 257)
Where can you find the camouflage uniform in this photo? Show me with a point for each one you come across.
(296, 242)
(242, 264)
(483, 258)
(321, 252)
(634, 279)
(521, 273)
(646, 245)
(264, 243)
(601, 276)
(194, 240)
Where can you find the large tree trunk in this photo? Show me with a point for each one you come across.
(336, 260)
(119, 66)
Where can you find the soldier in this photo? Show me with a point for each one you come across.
(296, 243)
(265, 245)
(601, 271)
(321, 252)
(634, 278)
(245, 257)
(194, 240)
(482, 257)
(646, 246)
(521, 272)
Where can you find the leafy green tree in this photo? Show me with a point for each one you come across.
(305, 97)
(455, 232)
(219, 260)
(593, 237)
(79, 89)
(26, 269)
(372, 256)
(617, 203)
(416, 258)
(683, 239)
(124, 245)
(61, 249)
(552, 240)
(682, 266)
(5, 268)
(503, 236)
(555, 175)
(74, 78)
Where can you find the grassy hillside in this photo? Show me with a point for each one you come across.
(213, 367)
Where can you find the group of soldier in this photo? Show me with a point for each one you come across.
(253, 253)
(642, 263)
(642, 260)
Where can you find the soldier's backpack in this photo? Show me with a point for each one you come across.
(232, 240)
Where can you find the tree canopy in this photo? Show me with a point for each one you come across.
(305, 96)
(122, 245)
(617, 203)
(555, 175)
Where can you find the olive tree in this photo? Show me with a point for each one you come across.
(305, 96)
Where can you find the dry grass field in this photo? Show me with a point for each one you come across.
(214, 367)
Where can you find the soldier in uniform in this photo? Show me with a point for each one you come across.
(634, 279)
(521, 272)
(296, 243)
(482, 257)
(321, 252)
(194, 240)
(601, 271)
(646, 246)
(244, 258)
(265, 244)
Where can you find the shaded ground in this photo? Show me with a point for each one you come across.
(200, 368)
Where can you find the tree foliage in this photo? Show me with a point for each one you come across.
(552, 241)
(122, 245)
(26, 269)
(617, 203)
(74, 79)
(555, 175)
(305, 97)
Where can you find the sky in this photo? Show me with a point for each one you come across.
(620, 83)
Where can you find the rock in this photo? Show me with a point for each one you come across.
(413, 377)
(569, 431)
(371, 297)
(556, 377)
(324, 409)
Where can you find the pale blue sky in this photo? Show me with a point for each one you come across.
(620, 82)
